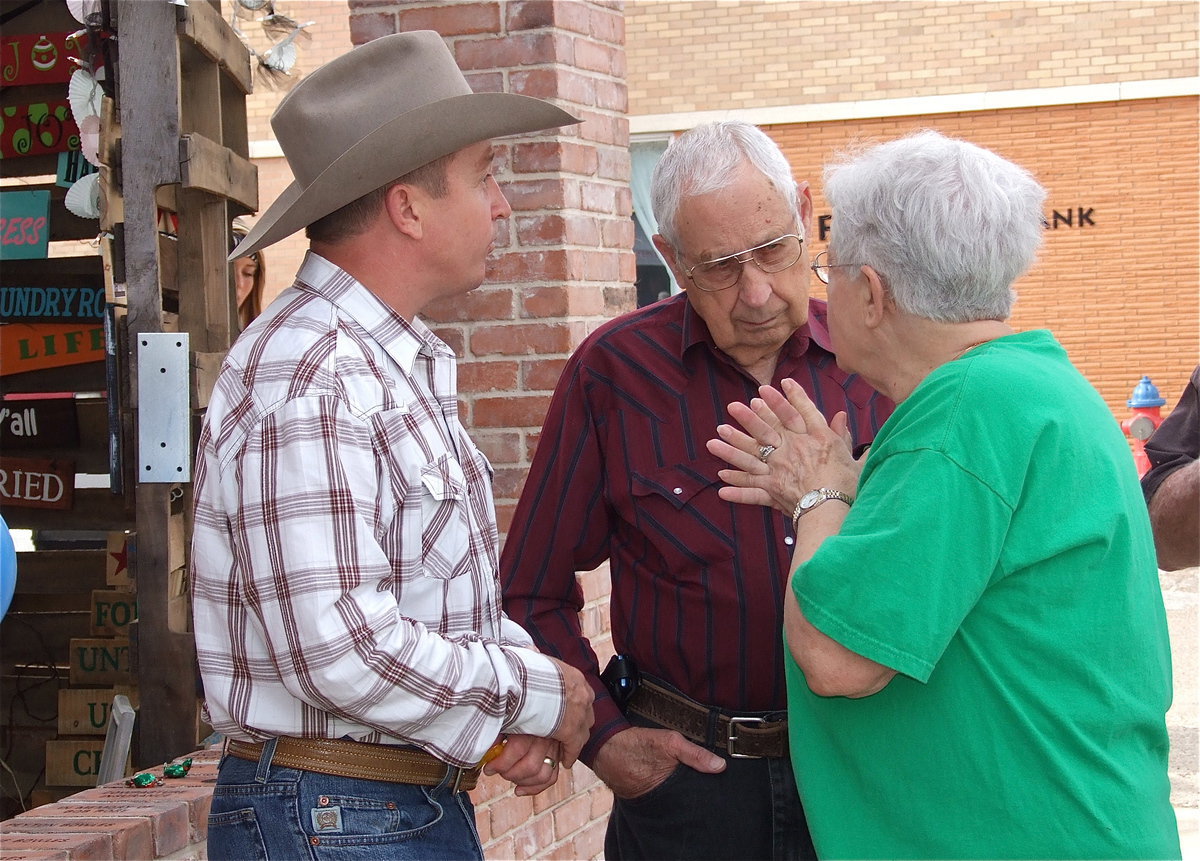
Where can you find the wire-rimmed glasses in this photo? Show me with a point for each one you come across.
(723, 272)
(821, 267)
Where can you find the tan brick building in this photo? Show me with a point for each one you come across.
(1098, 99)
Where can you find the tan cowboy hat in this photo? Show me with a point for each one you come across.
(374, 114)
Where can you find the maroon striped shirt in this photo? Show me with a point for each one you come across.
(622, 474)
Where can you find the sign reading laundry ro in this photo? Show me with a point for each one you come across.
(52, 304)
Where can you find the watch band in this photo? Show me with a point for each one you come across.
(813, 498)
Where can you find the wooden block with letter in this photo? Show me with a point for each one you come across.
(112, 612)
(99, 662)
(73, 761)
(85, 711)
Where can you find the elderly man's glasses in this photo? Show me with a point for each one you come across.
(821, 266)
(723, 272)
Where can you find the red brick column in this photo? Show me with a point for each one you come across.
(564, 265)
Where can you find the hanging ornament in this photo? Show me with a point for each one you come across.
(81, 9)
(83, 197)
(89, 139)
(85, 95)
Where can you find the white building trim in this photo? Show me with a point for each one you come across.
(660, 124)
(921, 105)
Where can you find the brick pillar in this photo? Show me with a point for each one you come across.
(564, 265)
(564, 261)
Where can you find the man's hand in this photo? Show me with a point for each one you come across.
(578, 717)
(636, 760)
(523, 762)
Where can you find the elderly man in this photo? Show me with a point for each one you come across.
(347, 620)
(697, 761)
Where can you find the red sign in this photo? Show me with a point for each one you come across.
(37, 128)
(34, 483)
(32, 346)
(39, 58)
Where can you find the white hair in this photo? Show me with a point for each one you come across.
(705, 158)
(949, 225)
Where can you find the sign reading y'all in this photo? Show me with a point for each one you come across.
(38, 422)
(27, 482)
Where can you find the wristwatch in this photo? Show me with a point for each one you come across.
(814, 498)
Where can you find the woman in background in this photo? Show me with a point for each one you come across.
(249, 276)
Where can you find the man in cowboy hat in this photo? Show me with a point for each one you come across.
(347, 615)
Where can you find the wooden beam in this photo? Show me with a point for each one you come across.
(208, 166)
(204, 26)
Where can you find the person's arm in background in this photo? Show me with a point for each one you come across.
(1172, 485)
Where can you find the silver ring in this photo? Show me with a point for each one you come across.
(550, 761)
(764, 451)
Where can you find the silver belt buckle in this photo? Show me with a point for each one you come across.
(733, 736)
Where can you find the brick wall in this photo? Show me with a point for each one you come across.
(564, 264)
(732, 54)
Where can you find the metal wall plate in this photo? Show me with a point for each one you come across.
(164, 414)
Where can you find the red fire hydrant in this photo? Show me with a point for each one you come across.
(1145, 402)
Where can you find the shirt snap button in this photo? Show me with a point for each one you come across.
(678, 490)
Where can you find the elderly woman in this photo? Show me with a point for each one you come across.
(979, 658)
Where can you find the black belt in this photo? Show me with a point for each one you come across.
(741, 736)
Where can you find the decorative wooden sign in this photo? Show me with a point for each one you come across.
(72, 167)
(99, 662)
(38, 423)
(112, 611)
(73, 761)
(85, 711)
(27, 482)
(119, 558)
(52, 304)
(32, 346)
(24, 224)
(37, 128)
(39, 58)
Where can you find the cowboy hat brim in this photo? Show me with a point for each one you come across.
(428, 132)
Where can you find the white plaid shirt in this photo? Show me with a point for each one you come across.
(344, 554)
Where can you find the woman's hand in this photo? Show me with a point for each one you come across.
(786, 450)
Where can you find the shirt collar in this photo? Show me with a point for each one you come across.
(815, 330)
(401, 339)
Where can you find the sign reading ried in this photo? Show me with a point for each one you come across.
(27, 482)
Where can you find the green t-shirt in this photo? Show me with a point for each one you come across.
(999, 558)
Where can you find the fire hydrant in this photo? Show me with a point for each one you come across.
(1145, 402)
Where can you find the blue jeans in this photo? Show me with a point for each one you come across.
(260, 811)
(751, 810)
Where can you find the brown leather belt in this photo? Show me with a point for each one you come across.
(358, 759)
(741, 736)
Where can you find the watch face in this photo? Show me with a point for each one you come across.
(809, 499)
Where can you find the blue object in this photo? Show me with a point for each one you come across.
(8, 567)
(1145, 394)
